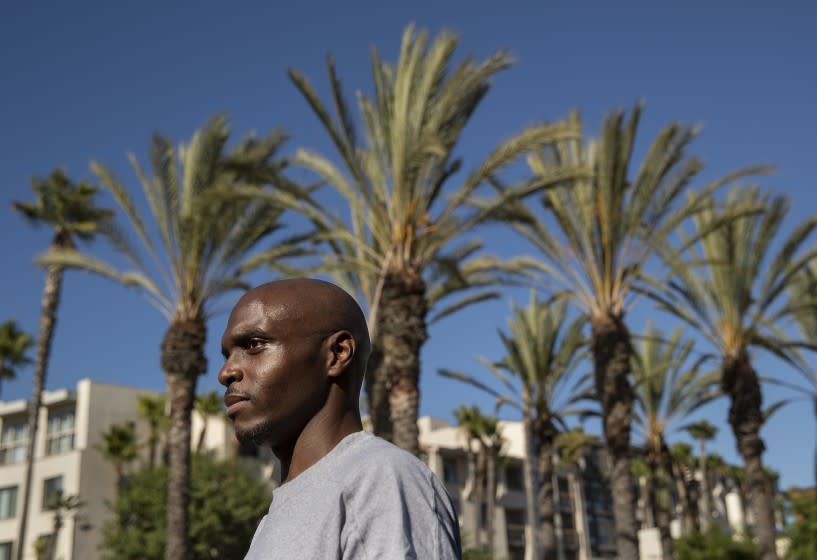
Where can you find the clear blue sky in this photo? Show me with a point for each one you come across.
(93, 80)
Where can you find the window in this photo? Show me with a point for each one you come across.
(5, 550)
(13, 442)
(60, 432)
(8, 502)
(514, 478)
(449, 470)
(52, 489)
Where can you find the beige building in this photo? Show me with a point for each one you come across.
(583, 519)
(67, 459)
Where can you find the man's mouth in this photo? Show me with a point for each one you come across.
(234, 401)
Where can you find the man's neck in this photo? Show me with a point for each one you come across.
(320, 436)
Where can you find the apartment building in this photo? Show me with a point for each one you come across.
(584, 516)
(67, 459)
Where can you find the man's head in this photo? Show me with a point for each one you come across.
(292, 349)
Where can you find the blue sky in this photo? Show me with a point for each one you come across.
(93, 80)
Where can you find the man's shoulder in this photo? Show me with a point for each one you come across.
(367, 448)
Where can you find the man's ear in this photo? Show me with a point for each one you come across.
(341, 352)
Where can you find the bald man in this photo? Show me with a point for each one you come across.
(295, 355)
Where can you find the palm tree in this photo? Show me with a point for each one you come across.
(400, 249)
(69, 209)
(210, 214)
(207, 405)
(731, 288)
(668, 388)
(469, 419)
(543, 351)
(120, 447)
(485, 431)
(154, 411)
(60, 505)
(492, 442)
(14, 347)
(571, 447)
(703, 431)
(605, 229)
(682, 464)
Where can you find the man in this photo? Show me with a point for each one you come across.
(296, 352)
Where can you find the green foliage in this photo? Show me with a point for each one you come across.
(714, 545)
(226, 505)
(803, 532)
(14, 347)
(66, 206)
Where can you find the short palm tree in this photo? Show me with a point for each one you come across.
(14, 347)
(60, 505)
(731, 287)
(486, 432)
(210, 215)
(153, 410)
(207, 405)
(119, 446)
(605, 229)
(403, 249)
(70, 210)
(543, 350)
(682, 463)
(669, 386)
(703, 431)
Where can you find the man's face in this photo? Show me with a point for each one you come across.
(274, 370)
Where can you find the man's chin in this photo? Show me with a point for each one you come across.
(257, 434)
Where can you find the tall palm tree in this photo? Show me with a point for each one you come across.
(14, 347)
(210, 213)
(669, 386)
(543, 350)
(605, 229)
(207, 405)
(403, 249)
(703, 431)
(153, 410)
(69, 209)
(731, 287)
(120, 447)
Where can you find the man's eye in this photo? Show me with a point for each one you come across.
(255, 344)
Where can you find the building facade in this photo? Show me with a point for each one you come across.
(68, 460)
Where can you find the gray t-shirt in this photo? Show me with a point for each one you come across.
(367, 499)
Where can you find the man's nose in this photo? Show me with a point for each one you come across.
(230, 373)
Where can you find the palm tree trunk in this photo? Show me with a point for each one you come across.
(202, 435)
(739, 380)
(48, 321)
(153, 444)
(479, 494)
(377, 394)
(532, 541)
(401, 329)
(490, 502)
(706, 502)
(612, 352)
(658, 507)
(544, 433)
(183, 360)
